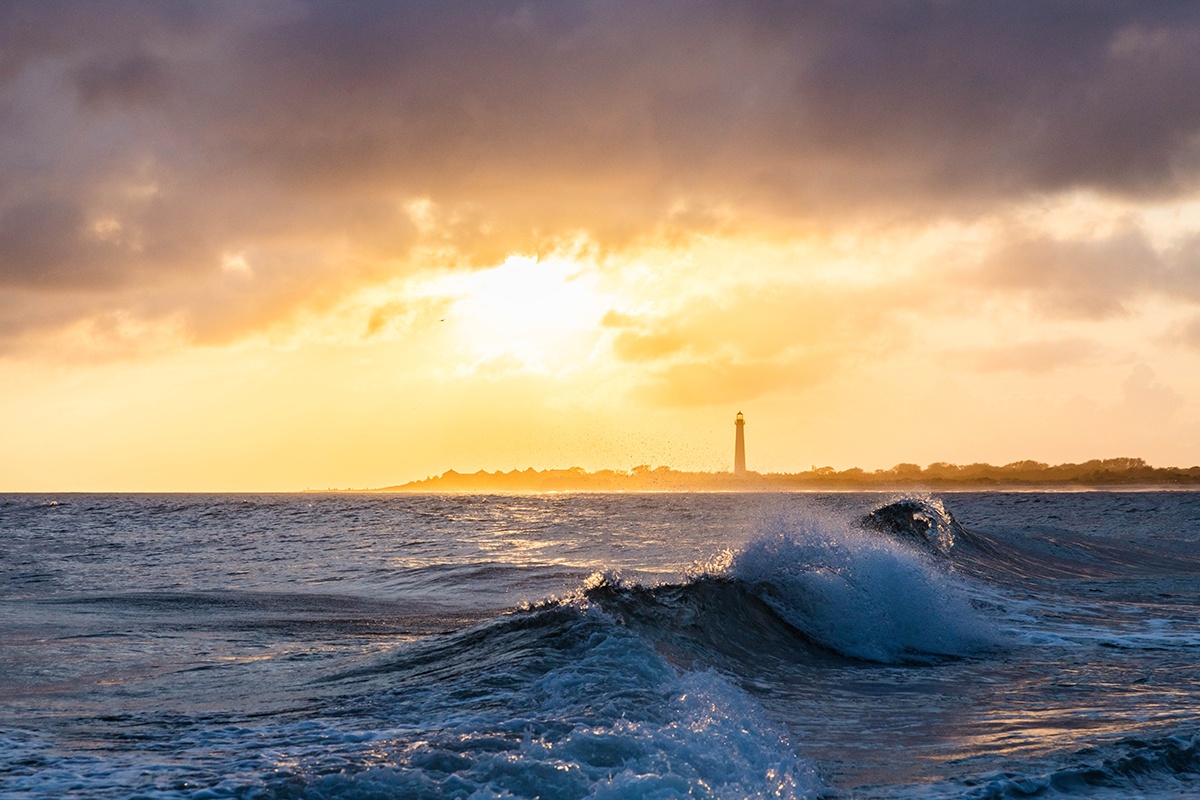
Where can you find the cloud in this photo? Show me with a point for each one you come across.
(1084, 278)
(1035, 357)
(1092, 278)
(757, 340)
(971, 97)
(721, 381)
(136, 79)
(1144, 398)
(143, 142)
(1186, 333)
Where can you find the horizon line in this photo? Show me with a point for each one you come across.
(903, 474)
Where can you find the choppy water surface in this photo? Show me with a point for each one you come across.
(570, 646)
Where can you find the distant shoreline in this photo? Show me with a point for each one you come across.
(1128, 474)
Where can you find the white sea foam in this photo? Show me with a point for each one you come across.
(189, 647)
(862, 594)
(614, 721)
(579, 707)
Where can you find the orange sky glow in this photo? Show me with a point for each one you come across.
(285, 245)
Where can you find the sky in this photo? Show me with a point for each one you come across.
(259, 245)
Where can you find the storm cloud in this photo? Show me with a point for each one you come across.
(143, 145)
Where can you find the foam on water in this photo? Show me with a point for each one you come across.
(369, 647)
(553, 702)
(566, 703)
(862, 594)
(704, 738)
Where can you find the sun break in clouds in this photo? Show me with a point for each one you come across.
(288, 244)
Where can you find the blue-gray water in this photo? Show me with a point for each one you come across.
(614, 646)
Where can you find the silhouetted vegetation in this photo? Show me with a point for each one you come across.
(1097, 473)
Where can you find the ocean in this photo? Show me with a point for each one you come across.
(956, 645)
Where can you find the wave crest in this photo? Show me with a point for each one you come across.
(862, 595)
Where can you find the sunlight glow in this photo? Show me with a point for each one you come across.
(535, 314)
(235, 263)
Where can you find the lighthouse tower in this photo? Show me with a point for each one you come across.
(739, 446)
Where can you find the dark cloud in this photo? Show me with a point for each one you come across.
(141, 141)
(132, 80)
(41, 243)
(971, 97)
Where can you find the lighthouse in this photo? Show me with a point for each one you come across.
(739, 446)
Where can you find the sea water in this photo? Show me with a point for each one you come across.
(592, 645)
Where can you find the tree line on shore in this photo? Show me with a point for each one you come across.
(1100, 473)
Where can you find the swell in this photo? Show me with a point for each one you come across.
(711, 620)
(291, 614)
(564, 699)
(1165, 766)
(628, 690)
(901, 584)
(708, 622)
(1047, 548)
(791, 598)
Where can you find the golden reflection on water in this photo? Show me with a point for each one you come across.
(1026, 732)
